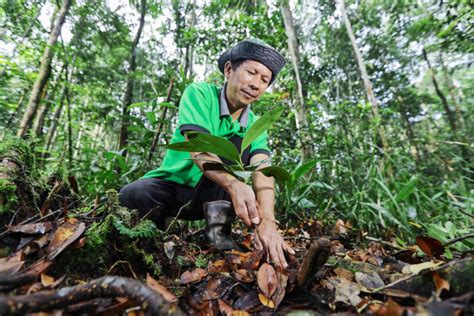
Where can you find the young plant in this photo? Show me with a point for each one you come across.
(201, 142)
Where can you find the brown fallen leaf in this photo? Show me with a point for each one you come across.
(390, 308)
(46, 280)
(417, 268)
(440, 283)
(193, 276)
(430, 246)
(344, 274)
(160, 289)
(64, 236)
(267, 280)
(217, 266)
(36, 228)
(224, 308)
(243, 275)
(10, 267)
(281, 288)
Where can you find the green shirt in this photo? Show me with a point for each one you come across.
(203, 108)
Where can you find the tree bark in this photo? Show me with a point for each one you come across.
(17, 110)
(150, 301)
(451, 89)
(128, 96)
(44, 72)
(162, 120)
(301, 115)
(444, 101)
(365, 78)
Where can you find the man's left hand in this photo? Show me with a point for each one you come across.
(267, 238)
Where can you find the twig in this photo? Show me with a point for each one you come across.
(386, 243)
(465, 213)
(408, 277)
(177, 215)
(123, 262)
(455, 240)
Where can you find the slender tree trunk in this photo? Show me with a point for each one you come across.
(23, 37)
(162, 121)
(365, 78)
(444, 101)
(188, 66)
(41, 113)
(44, 72)
(451, 89)
(17, 110)
(56, 117)
(128, 96)
(409, 129)
(301, 115)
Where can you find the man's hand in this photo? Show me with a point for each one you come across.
(268, 239)
(244, 202)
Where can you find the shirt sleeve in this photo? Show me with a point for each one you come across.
(260, 145)
(194, 110)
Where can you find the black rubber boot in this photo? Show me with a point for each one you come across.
(219, 216)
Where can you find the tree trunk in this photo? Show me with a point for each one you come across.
(444, 101)
(128, 97)
(41, 113)
(300, 115)
(44, 72)
(17, 110)
(451, 89)
(365, 78)
(188, 66)
(162, 120)
(409, 129)
(55, 119)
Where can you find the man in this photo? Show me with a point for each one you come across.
(186, 188)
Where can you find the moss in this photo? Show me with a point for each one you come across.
(8, 196)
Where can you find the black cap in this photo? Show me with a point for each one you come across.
(254, 49)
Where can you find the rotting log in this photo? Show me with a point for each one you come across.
(106, 287)
(314, 260)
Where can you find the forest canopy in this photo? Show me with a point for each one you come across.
(375, 129)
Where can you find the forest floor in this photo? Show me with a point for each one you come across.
(51, 262)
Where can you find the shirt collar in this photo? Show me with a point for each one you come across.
(224, 109)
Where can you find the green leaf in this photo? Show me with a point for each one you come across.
(209, 143)
(260, 126)
(151, 116)
(137, 105)
(280, 174)
(302, 169)
(167, 105)
(407, 190)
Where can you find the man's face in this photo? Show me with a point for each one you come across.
(246, 83)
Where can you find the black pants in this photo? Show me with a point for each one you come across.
(157, 198)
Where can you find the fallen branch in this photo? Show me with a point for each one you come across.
(109, 286)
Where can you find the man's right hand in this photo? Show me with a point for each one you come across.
(244, 202)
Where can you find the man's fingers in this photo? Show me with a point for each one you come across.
(257, 241)
(281, 257)
(253, 213)
(241, 212)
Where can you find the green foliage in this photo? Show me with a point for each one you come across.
(145, 229)
(201, 142)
